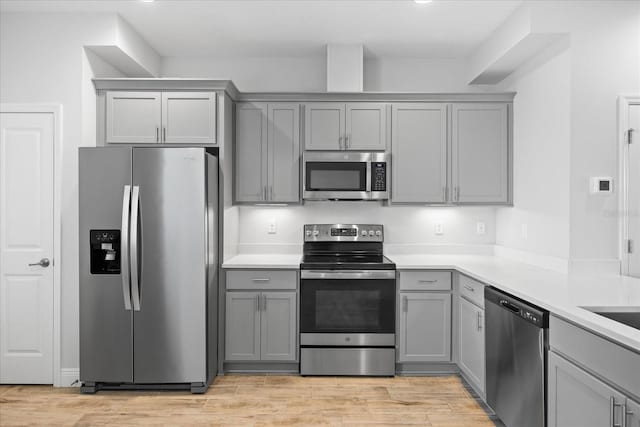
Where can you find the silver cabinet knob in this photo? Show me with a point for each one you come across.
(44, 262)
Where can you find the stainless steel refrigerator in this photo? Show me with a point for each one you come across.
(148, 268)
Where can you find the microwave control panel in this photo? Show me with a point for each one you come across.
(379, 176)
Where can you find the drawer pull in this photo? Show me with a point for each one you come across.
(469, 288)
(261, 280)
(427, 281)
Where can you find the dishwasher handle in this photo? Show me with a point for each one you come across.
(511, 307)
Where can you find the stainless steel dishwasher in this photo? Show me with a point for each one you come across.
(516, 359)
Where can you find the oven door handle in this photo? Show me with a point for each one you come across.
(348, 274)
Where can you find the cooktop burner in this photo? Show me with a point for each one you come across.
(344, 247)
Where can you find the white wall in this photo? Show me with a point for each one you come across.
(541, 158)
(404, 225)
(308, 74)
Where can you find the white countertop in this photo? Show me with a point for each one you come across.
(271, 261)
(561, 294)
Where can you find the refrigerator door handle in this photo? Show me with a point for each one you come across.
(135, 279)
(124, 246)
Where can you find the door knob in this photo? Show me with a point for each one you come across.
(44, 262)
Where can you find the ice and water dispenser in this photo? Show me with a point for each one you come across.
(105, 251)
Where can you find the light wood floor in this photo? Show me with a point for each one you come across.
(239, 400)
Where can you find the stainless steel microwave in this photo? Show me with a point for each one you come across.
(343, 175)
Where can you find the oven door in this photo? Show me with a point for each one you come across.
(350, 303)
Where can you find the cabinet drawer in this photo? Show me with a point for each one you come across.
(472, 290)
(261, 279)
(425, 280)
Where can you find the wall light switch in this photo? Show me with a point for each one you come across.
(480, 227)
(272, 229)
(439, 228)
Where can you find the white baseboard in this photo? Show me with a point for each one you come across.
(68, 376)
(543, 261)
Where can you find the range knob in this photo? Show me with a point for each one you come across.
(378, 233)
(316, 232)
(364, 233)
(308, 233)
(371, 233)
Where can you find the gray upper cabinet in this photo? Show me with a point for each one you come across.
(366, 126)
(250, 152)
(133, 117)
(577, 399)
(471, 343)
(419, 153)
(480, 153)
(160, 117)
(278, 330)
(339, 126)
(425, 327)
(267, 152)
(189, 117)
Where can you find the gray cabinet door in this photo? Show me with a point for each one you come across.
(419, 153)
(284, 152)
(480, 153)
(251, 152)
(425, 327)
(472, 353)
(278, 329)
(633, 413)
(366, 126)
(577, 399)
(133, 117)
(242, 326)
(189, 117)
(324, 126)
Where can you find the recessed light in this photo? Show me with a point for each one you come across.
(422, 1)
(147, 1)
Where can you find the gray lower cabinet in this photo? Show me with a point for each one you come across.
(632, 413)
(160, 117)
(472, 343)
(267, 152)
(339, 126)
(425, 327)
(577, 399)
(261, 326)
(419, 153)
(480, 153)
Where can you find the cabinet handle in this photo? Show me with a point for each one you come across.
(348, 141)
(271, 192)
(157, 134)
(612, 412)
(405, 304)
(264, 193)
(258, 302)
(264, 303)
(164, 134)
(625, 412)
(457, 194)
(427, 281)
(444, 194)
(261, 280)
(340, 142)
(479, 321)
(469, 288)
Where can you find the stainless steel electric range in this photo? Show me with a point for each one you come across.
(347, 302)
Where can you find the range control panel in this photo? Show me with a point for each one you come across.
(343, 233)
(379, 176)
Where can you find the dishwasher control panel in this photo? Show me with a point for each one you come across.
(518, 307)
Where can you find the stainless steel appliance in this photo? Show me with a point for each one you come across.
(516, 359)
(343, 175)
(347, 302)
(148, 268)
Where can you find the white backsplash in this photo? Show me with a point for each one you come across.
(412, 226)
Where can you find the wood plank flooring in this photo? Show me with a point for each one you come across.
(255, 400)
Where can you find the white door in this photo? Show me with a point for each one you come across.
(26, 237)
(633, 191)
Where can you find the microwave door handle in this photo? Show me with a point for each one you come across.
(368, 188)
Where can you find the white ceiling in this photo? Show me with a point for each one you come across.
(441, 29)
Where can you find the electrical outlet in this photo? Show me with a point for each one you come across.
(439, 228)
(480, 227)
(525, 231)
(272, 228)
